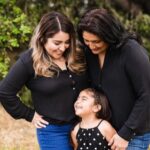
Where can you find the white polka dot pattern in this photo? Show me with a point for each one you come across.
(91, 139)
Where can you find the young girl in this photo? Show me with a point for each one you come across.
(93, 132)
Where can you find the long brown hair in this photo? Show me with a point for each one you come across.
(50, 24)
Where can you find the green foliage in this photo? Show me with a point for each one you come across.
(143, 24)
(15, 31)
(14, 28)
(25, 96)
(4, 64)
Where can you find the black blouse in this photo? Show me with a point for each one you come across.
(125, 78)
(53, 97)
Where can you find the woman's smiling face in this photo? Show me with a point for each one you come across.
(56, 45)
(95, 44)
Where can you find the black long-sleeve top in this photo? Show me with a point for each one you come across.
(125, 78)
(53, 97)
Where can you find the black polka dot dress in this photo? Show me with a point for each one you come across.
(91, 139)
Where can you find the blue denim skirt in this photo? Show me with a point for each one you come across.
(140, 142)
(54, 137)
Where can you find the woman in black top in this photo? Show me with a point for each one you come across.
(54, 73)
(120, 66)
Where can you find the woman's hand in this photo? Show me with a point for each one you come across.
(118, 143)
(38, 121)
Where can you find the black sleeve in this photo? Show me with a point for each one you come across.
(10, 86)
(137, 67)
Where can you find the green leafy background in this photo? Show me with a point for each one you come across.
(18, 19)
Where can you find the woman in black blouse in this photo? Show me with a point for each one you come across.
(54, 73)
(120, 66)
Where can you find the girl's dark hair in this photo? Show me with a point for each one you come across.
(103, 24)
(101, 99)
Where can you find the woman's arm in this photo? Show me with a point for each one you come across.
(10, 86)
(137, 68)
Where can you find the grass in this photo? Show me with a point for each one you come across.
(17, 148)
(16, 134)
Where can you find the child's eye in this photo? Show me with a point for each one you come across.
(84, 99)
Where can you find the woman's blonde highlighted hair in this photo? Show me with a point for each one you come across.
(50, 24)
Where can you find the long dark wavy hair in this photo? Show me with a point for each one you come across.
(50, 24)
(103, 24)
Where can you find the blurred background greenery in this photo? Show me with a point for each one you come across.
(18, 19)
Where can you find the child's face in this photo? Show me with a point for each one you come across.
(85, 104)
